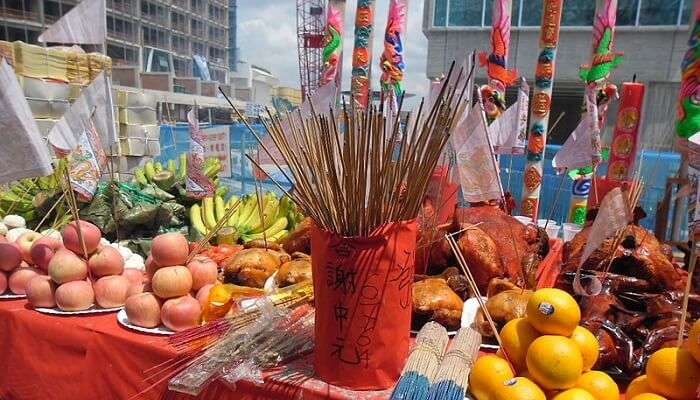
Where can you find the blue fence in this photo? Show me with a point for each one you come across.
(656, 167)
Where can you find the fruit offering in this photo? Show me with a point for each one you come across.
(550, 356)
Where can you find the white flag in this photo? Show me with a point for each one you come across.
(509, 131)
(23, 153)
(475, 159)
(578, 151)
(613, 215)
(94, 103)
(86, 23)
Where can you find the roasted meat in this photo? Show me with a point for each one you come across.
(294, 271)
(298, 240)
(481, 254)
(434, 300)
(505, 302)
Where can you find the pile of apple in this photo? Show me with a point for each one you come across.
(52, 270)
(178, 289)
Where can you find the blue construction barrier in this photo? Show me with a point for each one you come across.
(656, 167)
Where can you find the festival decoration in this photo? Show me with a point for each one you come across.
(688, 122)
(500, 77)
(392, 61)
(542, 99)
(198, 185)
(333, 43)
(362, 53)
(577, 151)
(623, 148)
(509, 132)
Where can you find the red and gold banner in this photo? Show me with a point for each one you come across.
(623, 148)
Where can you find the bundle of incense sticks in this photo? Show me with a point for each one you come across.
(357, 171)
(422, 364)
(452, 378)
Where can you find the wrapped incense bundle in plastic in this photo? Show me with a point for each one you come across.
(453, 376)
(422, 364)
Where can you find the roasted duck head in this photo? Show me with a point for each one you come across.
(506, 301)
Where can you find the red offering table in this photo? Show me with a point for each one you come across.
(93, 357)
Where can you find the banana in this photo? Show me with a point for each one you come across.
(270, 232)
(182, 168)
(140, 177)
(208, 212)
(219, 208)
(158, 167)
(233, 219)
(249, 204)
(196, 219)
(270, 211)
(172, 167)
(279, 235)
(149, 170)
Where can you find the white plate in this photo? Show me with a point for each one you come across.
(12, 296)
(124, 321)
(91, 310)
(469, 311)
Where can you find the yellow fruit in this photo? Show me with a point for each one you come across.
(554, 362)
(673, 372)
(518, 389)
(647, 396)
(488, 372)
(574, 394)
(588, 344)
(516, 337)
(553, 312)
(694, 341)
(599, 384)
(638, 386)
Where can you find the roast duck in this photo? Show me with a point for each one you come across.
(638, 309)
(502, 254)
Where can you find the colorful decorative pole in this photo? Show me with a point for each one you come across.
(494, 93)
(362, 53)
(392, 62)
(333, 43)
(623, 148)
(688, 123)
(541, 105)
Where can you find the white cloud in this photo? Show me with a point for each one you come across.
(267, 37)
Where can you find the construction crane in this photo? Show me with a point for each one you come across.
(311, 22)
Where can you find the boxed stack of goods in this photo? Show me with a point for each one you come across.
(57, 64)
(138, 125)
(7, 51)
(31, 60)
(97, 63)
(78, 68)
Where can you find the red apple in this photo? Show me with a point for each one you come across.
(41, 292)
(19, 278)
(170, 282)
(181, 313)
(106, 261)
(203, 294)
(134, 275)
(65, 266)
(170, 249)
(135, 288)
(111, 291)
(2, 239)
(43, 250)
(10, 256)
(151, 267)
(25, 243)
(3, 282)
(91, 235)
(75, 296)
(204, 271)
(143, 309)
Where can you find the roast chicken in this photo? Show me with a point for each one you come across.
(505, 302)
(297, 270)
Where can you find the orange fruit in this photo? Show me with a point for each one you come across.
(647, 396)
(553, 312)
(554, 362)
(574, 394)
(638, 386)
(673, 372)
(599, 384)
(516, 337)
(518, 389)
(487, 373)
(588, 344)
(693, 342)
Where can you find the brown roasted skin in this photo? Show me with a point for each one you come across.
(252, 267)
(481, 254)
(294, 271)
(434, 300)
(298, 240)
(506, 301)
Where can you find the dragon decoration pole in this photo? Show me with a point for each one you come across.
(333, 43)
(541, 105)
(392, 61)
(500, 77)
(688, 123)
(362, 53)
(595, 76)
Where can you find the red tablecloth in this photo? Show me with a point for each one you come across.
(93, 357)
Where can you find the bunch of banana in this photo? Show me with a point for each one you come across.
(267, 217)
(172, 175)
(20, 197)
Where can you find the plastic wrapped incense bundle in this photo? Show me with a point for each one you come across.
(452, 378)
(422, 364)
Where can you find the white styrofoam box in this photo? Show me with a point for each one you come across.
(152, 147)
(36, 88)
(133, 147)
(138, 116)
(45, 125)
(51, 109)
(128, 99)
(139, 131)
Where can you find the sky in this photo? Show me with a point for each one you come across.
(267, 38)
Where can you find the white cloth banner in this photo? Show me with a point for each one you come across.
(577, 151)
(94, 103)
(509, 131)
(86, 23)
(23, 153)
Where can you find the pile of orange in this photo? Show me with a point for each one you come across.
(671, 373)
(551, 356)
